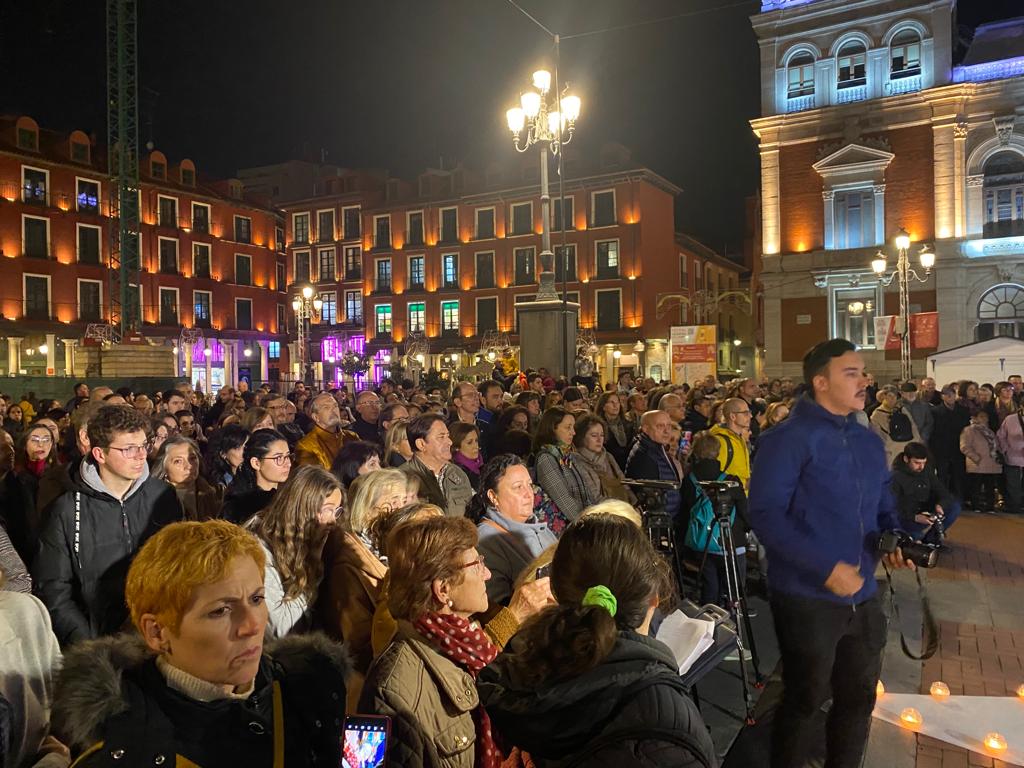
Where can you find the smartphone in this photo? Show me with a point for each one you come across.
(543, 572)
(365, 741)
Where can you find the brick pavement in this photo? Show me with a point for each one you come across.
(983, 656)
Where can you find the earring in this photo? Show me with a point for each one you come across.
(450, 603)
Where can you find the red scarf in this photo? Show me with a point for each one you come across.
(36, 468)
(467, 645)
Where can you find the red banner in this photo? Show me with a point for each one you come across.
(924, 330)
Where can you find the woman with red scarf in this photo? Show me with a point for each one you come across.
(425, 680)
(35, 453)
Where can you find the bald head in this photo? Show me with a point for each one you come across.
(657, 425)
(736, 413)
(672, 404)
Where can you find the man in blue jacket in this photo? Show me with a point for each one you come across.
(819, 496)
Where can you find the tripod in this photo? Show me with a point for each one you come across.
(661, 530)
(736, 591)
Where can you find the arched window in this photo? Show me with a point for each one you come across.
(852, 65)
(801, 75)
(905, 54)
(1004, 195)
(1001, 313)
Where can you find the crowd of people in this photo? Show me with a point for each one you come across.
(204, 579)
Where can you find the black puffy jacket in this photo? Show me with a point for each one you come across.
(917, 491)
(631, 710)
(113, 708)
(86, 548)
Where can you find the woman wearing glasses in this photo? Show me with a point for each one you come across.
(266, 463)
(292, 531)
(425, 679)
(95, 528)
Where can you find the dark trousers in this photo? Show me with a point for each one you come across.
(1012, 480)
(828, 650)
(713, 584)
(981, 491)
(953, 474)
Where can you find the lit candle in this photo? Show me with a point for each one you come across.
(1020, 691)
(939, 691)
(911, 717)
(880, 689)
(995, 743)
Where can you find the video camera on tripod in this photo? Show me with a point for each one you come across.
(657, 521)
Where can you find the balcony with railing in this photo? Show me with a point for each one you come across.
(904, 84)
(847, 94)
(800, 103)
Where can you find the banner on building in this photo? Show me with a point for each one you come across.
(694, 352)
(924, 330)
(887, 334)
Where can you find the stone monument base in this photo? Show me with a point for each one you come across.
(547, 336)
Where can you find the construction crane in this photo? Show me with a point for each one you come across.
(123, 165)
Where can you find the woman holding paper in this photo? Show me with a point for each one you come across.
(597, 689)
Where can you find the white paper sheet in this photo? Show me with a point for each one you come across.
(962, 720)
(688, 638)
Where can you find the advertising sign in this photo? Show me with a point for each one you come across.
(694, 352)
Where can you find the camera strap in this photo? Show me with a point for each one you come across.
(930, 638)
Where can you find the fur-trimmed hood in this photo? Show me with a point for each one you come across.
(89, 688)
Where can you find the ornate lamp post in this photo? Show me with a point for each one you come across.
(306, 309)
(551, 125)
(903, 273)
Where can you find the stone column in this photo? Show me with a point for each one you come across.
(264, 361)
(879, 200)
(828, 199)
(959, 178)
(14, 354)
(188, 351)
(770, 211)
(230, 361)
(69, 356)
(975, 205)
(208, 359)
(51, 354)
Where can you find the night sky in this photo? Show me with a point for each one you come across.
(397, 84)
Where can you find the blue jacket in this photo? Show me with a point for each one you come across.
(819, 494)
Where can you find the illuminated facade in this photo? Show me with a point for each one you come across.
(209, 260)
(867, 127)
(446, 259)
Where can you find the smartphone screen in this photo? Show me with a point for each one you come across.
(365, 741)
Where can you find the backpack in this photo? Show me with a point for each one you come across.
(900, 429)
(702, 522)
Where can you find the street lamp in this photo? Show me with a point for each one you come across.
(903, 273)
(306, 309)
(551, 125)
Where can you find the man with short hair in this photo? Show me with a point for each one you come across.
(927, 393)
(387, 387)
(98, 393)
(698, 412)
(389, 414)
(650, 457)
(750, 392)
(325, 439)
(819, 497)
(920, 495)
(95, 528)
(466, 402)
(367, 415)
(175, 402)
(491, 394)
(81, 391)
(918, 409)
(442, 482)
(282, 413)
(734, 437)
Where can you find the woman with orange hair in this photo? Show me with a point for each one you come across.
(195, 685)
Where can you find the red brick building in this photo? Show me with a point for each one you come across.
(446, 259)
(210, 259)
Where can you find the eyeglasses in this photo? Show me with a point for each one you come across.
(40, 440)
(131, 451)
(479, 563)
(281, 459)
(333, 511)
